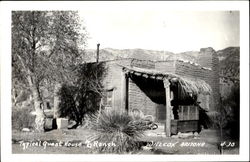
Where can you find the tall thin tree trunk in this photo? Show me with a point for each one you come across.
(57, 100)
(38, 104)
(14, 96)
(40, 116)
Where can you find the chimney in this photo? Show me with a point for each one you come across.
(97, 52)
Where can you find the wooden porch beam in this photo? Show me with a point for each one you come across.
(168, 107)
(126, 91)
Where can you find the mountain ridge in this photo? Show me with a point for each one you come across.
(155, 55)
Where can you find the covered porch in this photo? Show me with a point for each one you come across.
(175, 97)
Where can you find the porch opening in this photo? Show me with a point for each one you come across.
(178, 110)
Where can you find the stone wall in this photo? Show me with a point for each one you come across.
(139, 100)
(209, 58)
(205, 57)
(216, 81)
(114, 80)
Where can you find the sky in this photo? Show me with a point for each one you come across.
(127, 27)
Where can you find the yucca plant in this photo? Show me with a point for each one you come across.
(116, 127)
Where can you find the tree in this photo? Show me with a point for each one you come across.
(84, 95)
(45, 45)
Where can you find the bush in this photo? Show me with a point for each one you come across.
(21, 118)
(84, 95)
(227, 118)
(231, 111)
(67, 106)
(116, 127)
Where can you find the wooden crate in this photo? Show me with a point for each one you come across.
(184, 126)
(62, 123)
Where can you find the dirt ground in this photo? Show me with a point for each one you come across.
(74, 142)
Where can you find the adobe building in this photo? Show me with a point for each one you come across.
(170, 91)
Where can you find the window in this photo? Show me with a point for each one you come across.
(108, 98)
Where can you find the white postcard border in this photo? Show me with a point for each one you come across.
(5, 43)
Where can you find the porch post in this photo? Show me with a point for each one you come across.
(124, 91)
(168, 107)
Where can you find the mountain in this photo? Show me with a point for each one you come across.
(112, 54)
(142, 54)
(229, 62)
(228, 57)
(229, 71)
(229, 51)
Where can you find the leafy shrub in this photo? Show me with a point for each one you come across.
(21, 118)
(231, 111)
(117, 127)
(83, 96)
(227, 118)
(67, 106)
